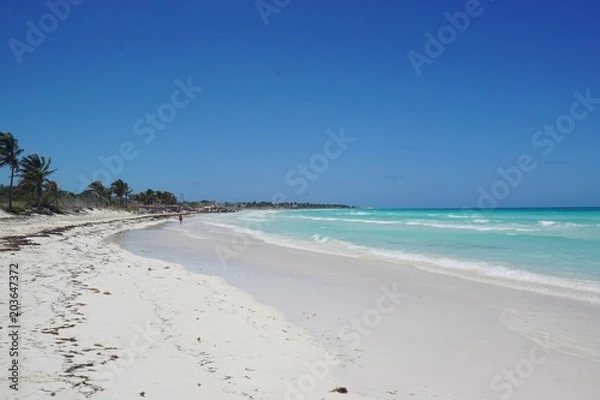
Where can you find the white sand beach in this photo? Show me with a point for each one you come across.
(400, 332)
(99, 322)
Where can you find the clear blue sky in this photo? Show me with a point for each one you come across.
(272, 92)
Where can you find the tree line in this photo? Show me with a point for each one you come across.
(29, 177)
(121, 192)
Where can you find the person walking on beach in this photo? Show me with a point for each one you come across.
(180, 219)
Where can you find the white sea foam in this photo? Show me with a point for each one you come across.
(253, 219)
(362, 221)
(500, 275)
(559, 224)
(320, 239)
(473, 270)
(454, 216)
(333, 246)
(468, 226)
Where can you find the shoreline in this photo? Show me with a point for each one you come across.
(98, 322)
(578, 288)
(446, 323)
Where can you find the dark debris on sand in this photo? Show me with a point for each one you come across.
(339, 390)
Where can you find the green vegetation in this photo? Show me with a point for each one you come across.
(34, 171)
(36, 191)
(9, 157)
(152, 197)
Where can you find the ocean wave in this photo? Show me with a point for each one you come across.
(500, 275)
(559, 224)
(320, 239)
(468, 226)
(360, 213)
(468, 269)
(253, 219)
(318, 244)
(454, 216)
(362, 221)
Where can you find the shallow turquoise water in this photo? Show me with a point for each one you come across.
(558, 245)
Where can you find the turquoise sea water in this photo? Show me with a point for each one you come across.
(553, 250)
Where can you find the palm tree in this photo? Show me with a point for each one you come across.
(108, 194)
(120, 189)
(9, 156)
(141, 197)
(169, 198)
(148, 197)
(34, 171)
(165, 197)
(53, 189)
(98, 188)
(128, 195)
